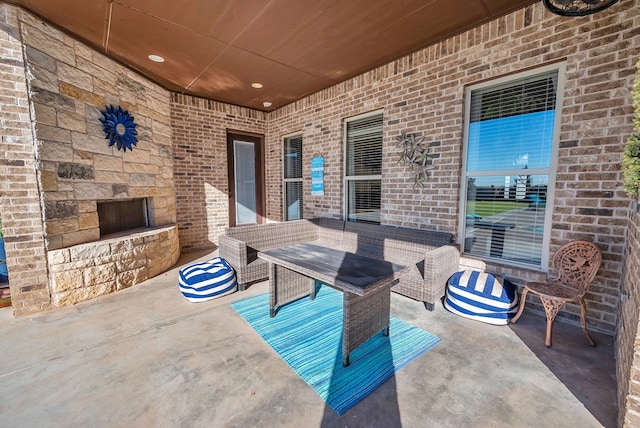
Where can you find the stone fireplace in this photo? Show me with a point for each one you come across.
(92, 219)
(126, 252)
(85, 271)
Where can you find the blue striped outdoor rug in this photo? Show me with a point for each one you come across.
(307, 335)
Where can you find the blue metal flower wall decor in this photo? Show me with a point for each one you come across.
(119, 127)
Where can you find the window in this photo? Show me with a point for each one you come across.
(363, 168)
(293, 177)
(508, 167)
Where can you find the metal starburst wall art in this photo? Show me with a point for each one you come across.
(415, 154)
(119, 128)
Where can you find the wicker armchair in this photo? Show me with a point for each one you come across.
(576, 265)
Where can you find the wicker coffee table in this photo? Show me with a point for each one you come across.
(365, 283)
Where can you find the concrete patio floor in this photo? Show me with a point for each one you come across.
(146, 357)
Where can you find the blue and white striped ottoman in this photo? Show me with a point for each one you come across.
(481, 296)
(207, 280)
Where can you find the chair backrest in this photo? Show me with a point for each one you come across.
(577, 263)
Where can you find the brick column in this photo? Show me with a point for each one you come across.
(19, 194)
(627, 332)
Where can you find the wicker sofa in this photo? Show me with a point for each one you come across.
(431, 254)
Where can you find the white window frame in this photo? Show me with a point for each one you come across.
(291, 180)
(346, 178)
(551, 171)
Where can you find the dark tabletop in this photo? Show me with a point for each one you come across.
(346, 271)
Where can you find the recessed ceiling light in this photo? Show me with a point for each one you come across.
(266, 104)
(256, 85)
(156, 58)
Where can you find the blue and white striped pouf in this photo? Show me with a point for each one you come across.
(481, 296)
(207, 280)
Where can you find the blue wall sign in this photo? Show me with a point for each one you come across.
(317, 176)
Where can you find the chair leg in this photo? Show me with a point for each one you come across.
(552, 306)
(523, 299)
(583, 322)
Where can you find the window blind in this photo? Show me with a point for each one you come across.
(293, 200)
(292, 164)
(528, 95)
(364, 146)
(293, 157)
(511, 125)
(363, 200)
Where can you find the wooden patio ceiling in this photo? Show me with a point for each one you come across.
(216, 49)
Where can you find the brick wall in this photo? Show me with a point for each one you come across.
(424, 92)
(627, 332)
(69, 85)
(200, 164)
(19, 194)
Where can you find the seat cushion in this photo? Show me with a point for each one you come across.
(482, 297)
(207, 280)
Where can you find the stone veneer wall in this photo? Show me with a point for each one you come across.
(85, 271)
(200, 160)
(19, 195)
(69, 85)
(424, 92)
(57, 165)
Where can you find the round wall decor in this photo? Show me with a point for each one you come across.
(577, 7)
(119, 127)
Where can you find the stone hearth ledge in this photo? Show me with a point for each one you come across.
(88, 270)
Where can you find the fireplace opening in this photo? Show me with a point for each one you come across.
(122, 215)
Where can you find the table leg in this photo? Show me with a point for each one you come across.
(273, 289)
(363, 317)
(286, 286)
(314, 290)
(345, 360)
